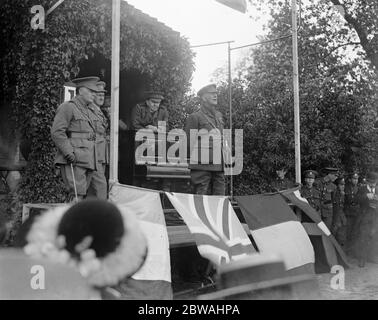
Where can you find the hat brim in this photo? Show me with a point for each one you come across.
(155, 96)
(255, 287)
(90, 87)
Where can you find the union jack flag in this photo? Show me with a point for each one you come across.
(218, 233)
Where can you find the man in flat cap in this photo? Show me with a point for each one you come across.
(368, 199)
(74, 131)
(207, 176)
(309, 192)
(352, 210)
(98, 185)
(281, 182)
(327, 190)
(149, 113)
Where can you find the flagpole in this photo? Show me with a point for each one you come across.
(296, 92)
(230, 110)
(113, 170)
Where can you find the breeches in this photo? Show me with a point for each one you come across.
(98, 186)
(208, 182)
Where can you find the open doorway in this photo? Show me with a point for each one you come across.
(133, 84)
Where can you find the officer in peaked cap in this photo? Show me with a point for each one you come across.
(98, 186)
(210, 88)
(75, 133)
(352, 210)
(327, 189)
(309, 192)
(149, 113)
(207, 174)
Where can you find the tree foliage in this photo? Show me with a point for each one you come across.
(338, 97)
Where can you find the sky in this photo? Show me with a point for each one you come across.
(204, 22)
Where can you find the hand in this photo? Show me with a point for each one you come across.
(153, 128)
(122, 125)
(70, 158)
(370, 196)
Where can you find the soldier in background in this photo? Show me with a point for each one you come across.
(74, 133)
(368, 199)
(281, 182)
(339, 223)
(309, 192)
(149, 113)
(327, 189)
(352, 210)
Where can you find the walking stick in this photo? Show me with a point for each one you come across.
(74, 182)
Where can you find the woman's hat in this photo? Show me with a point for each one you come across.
(95, 228)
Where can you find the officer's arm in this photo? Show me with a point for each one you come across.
(137, 124)
(63, 117)
(191, 123)
(165, 118)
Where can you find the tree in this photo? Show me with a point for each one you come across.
(362, 17)
(338, 98)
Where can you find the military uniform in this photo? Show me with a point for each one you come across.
(367, 219)
(327, 190)
(98, 186)
(207, 176)
(339, 223)
(352, 210)
(312, 195)
(77, 129)
(144, 117)
(309, 192)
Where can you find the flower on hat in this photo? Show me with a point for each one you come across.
(79, 236)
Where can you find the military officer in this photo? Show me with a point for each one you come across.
(309, 192)
(74, 131)
(327, 189)
(352, 209)
(339, 222)
(207, 176)
(149, 113)
(367, 197)
(98, 184)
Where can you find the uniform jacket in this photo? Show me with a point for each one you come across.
(327, 190)
(103, 129)
(142, 116)
(339, 218)
(312, 195)
(78, 129)
(352, 206)
(204, 119)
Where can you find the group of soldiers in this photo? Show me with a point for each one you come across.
(347, 205)
(81, 128)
